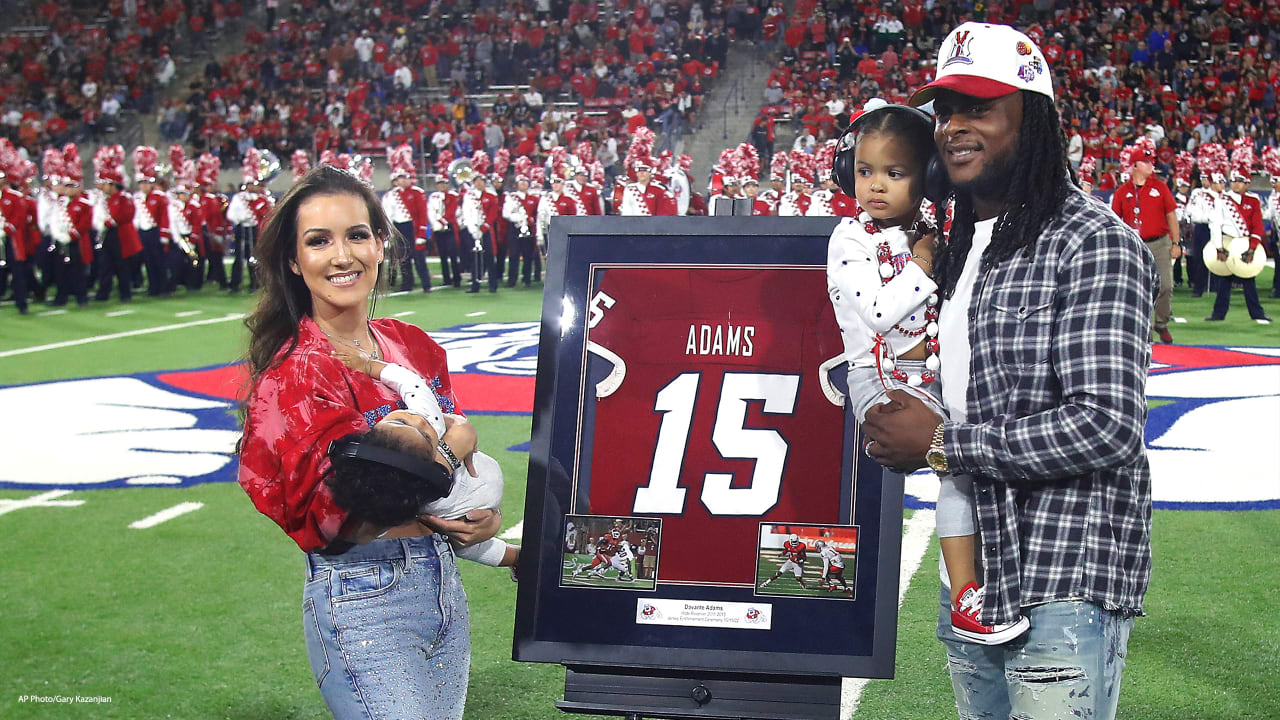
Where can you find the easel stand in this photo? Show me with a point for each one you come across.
(648, 693)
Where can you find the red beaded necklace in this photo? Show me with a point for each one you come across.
(884, 361)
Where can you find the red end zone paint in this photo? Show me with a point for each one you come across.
(476, 392)
(1179, 357)
(226, 382)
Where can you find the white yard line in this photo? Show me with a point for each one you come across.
(165, 515)
(398, 293)
(188, 313)
(120, 313)
(115, 336)
(477, 313)
(405, 313)
(1179, 319)
(515, 532)
(51, 313)
(915, 542)
(45, 499)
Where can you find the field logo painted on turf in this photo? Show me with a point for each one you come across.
(1210, 436)
(179, 428)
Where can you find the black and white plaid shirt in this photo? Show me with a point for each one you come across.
(1056, 409)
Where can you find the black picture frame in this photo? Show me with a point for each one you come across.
(596, 628)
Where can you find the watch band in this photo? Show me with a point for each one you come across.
(937, 449)
(447, 452)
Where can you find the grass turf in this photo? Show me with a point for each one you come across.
(198, 617)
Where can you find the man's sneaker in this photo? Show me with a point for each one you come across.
(1165, 337)
(965, 623)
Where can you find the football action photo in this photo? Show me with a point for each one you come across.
(619, 553)
(807, 560)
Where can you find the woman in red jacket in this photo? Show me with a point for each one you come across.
(384, 613)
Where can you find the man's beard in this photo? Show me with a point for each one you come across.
(993, 181)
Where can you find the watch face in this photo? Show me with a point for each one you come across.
(936, 459)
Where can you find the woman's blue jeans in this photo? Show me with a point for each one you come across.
(387, 629)
(1068, 665)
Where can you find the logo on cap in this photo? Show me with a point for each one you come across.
(1023, 47)
(960, 50)
(1032, 68)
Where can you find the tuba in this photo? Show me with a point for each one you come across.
(461, 172)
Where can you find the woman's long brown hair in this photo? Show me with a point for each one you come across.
(284, 297)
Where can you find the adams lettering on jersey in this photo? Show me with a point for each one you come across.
(720, 340)
(711, 412)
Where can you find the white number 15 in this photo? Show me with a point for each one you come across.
(767, 447)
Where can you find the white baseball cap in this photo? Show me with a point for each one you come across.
(988, 61)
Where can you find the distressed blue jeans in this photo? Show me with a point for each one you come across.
(387, 630)
(1068, 665)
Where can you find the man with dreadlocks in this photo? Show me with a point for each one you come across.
(1044, 327)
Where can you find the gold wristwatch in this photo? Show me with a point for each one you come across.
(936, 455)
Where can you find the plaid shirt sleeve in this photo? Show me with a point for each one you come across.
(1056, 409)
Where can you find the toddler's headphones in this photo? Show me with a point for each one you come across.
(427, 470)
(937, 185)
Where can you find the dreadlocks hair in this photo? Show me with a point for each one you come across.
(1038, 185)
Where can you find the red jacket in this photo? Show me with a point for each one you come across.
(843, 205)
(120, 208)
(590, 199)
(80, 210)
(158, 206)
(215, 220)
(311, 399)
(415, 201)
(193, 212)
(18, 213)
(262, 205)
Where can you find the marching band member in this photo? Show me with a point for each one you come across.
(151, 218)
(588, 192)
(722, 203)
(19, 235)
(777, 183)
(553, 203)
(218, 229)
(247, 211)
(72, 228)
(796, 202)
(1271, 211)
(442, 214)
(1201, 207)
(406, 205)
(121, 246)
(47, 198)
(478, 215)
(751, 188)
(520, 208)
(644, 196)
(1238, 217)
(681, 184)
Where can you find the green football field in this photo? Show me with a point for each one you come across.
(198, 616)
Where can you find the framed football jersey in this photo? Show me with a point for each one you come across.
(690, 406)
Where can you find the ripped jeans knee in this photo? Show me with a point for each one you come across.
(1068, 665)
